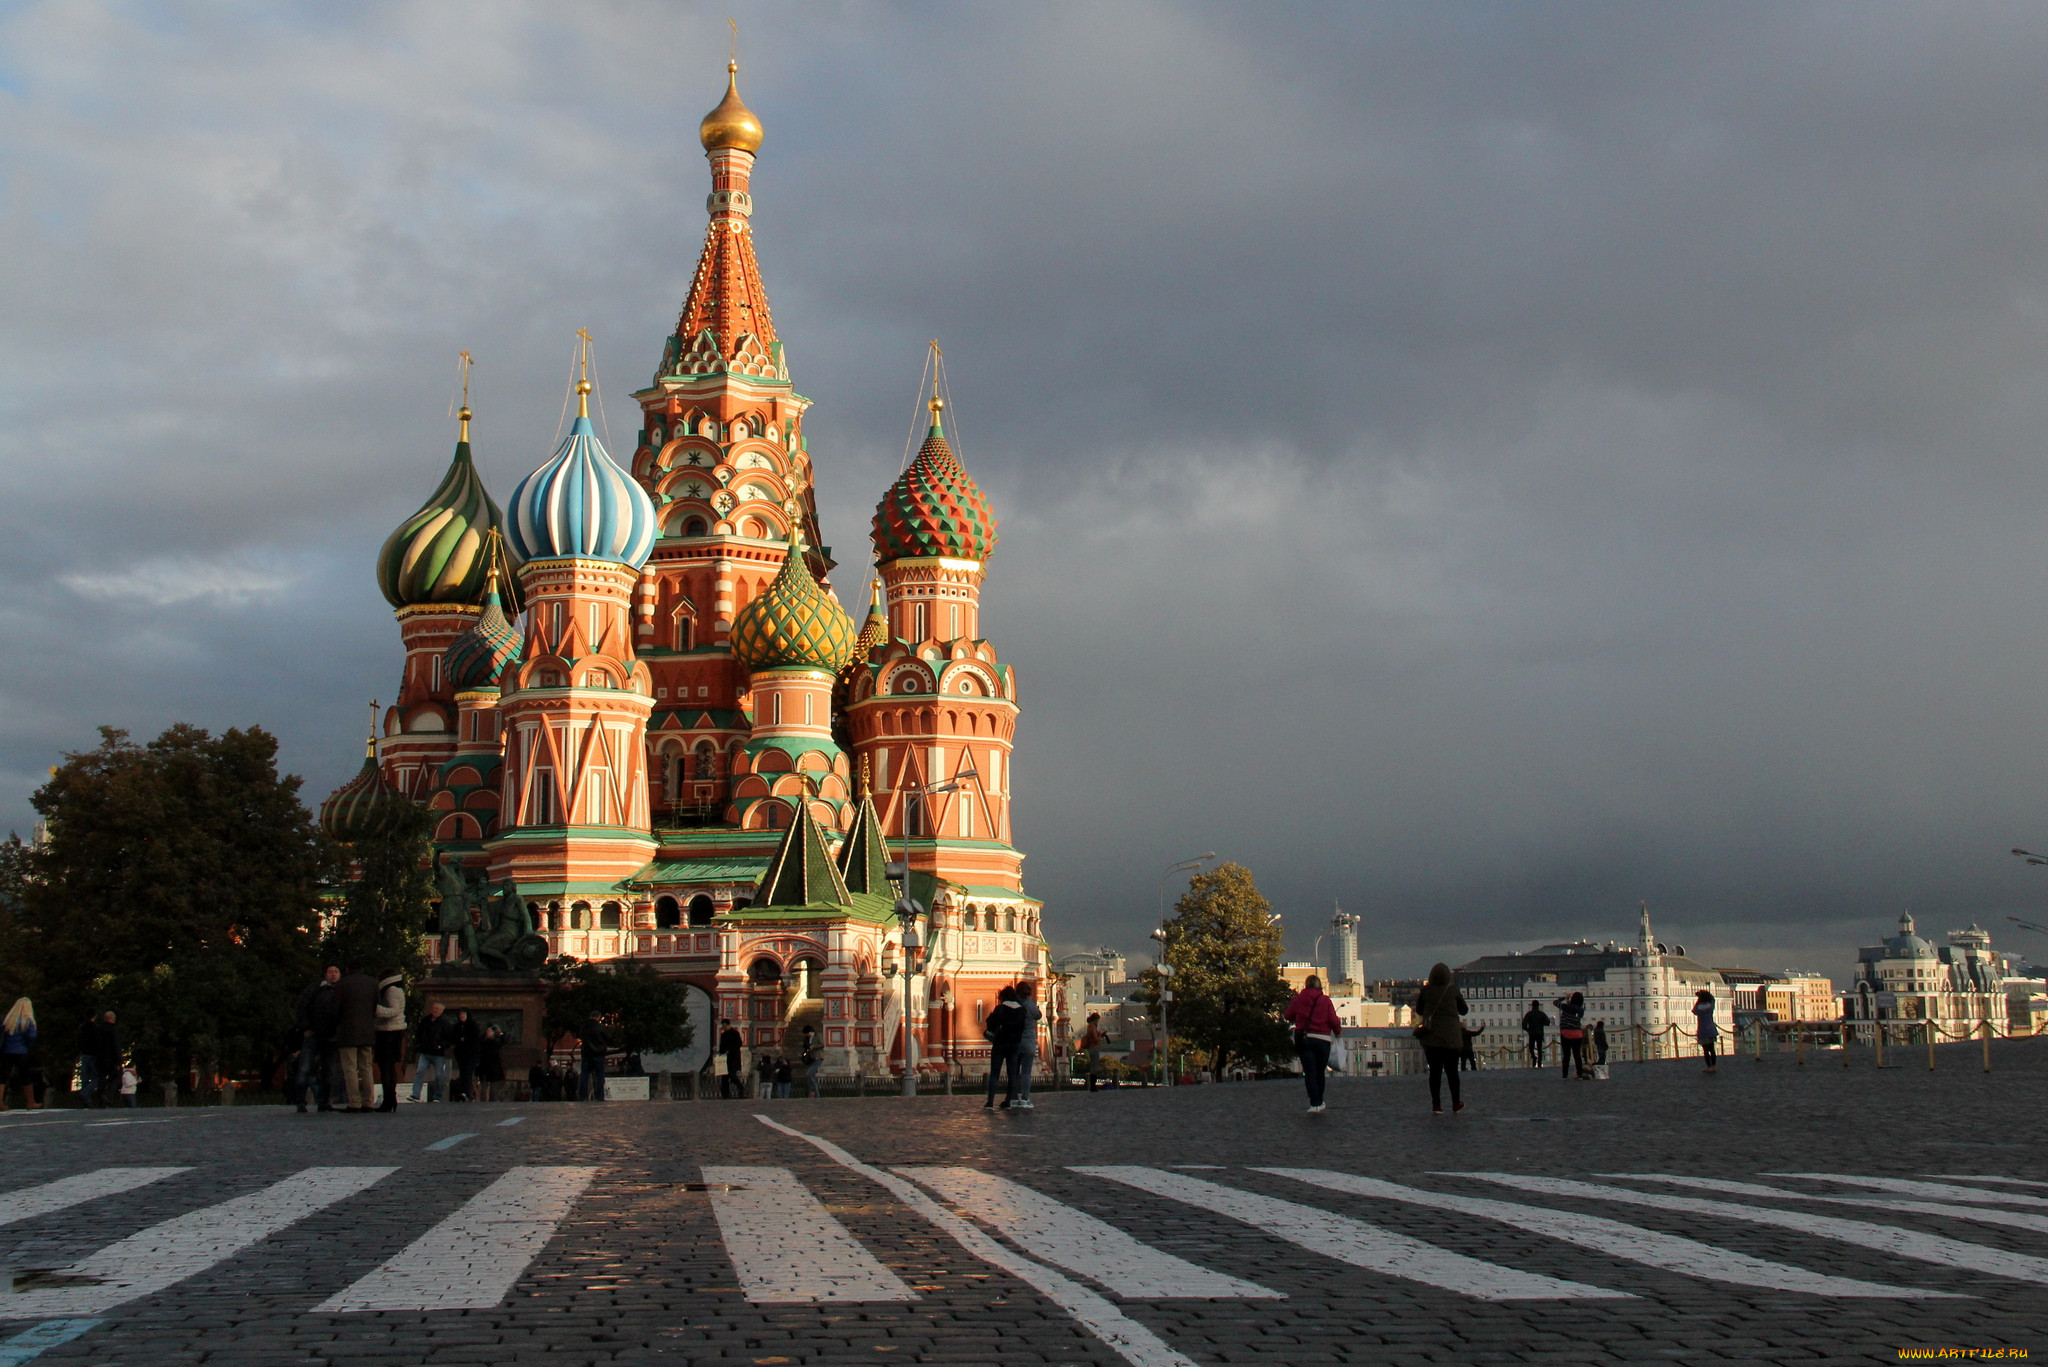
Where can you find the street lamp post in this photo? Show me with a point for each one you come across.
(1166, 968)
(908, 912)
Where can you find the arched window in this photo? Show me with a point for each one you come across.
(694, 527)
(765, 971)
(742, 903)
(579, 916)
(686, 630)
(667, 915)
(707, 760)
(1010, 921)
(700, 910)
(608, 918)
(970, 922)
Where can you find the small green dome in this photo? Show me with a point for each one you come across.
(363, 808)
(437, 554)
(793, 622)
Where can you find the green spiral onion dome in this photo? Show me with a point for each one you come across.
(793, 622)
(365, 807)
(437, 554)
(478, 656)
(933, 509)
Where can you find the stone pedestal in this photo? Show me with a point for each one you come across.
(514, 1002)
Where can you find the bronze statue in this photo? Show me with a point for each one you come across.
(493, 932)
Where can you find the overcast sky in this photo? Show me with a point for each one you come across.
(1487, 464)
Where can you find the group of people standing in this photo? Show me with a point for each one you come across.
(1581, 1050)
(774, 1071)
(103, 1068)
(349, 1037)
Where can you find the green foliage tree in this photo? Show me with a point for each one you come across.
(179, 887)
(1225, 954)
(382, 923)
(18, 976)
(643, 1012)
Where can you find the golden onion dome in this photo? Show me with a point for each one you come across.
(794, 622)
(732, 124)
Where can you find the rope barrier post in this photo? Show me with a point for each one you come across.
(1986, 1032)
(1930, 1044)
(1759, 1041)
(1800, 1031)
(1845, 1041)
(1877, 1037)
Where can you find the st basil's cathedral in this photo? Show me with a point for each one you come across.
(634, 695)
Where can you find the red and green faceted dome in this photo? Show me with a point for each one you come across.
(934, 510)
(365, 807)
(794, 622)
(478, 656)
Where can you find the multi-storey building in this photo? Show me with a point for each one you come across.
(1956, 985)
(637, 696)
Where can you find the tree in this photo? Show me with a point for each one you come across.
(644, 1012)
(382, 924)
(179, 886)
(1225, 954)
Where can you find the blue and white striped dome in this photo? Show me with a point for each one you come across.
(581, 504)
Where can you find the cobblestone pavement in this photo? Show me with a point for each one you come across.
(1196, 1225)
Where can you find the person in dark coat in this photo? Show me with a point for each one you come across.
(355, 1038)
(319, 1014)
(490, 1063)
(1001, 1029)
(1440, 1029)
(1600, 1044)
(390, 1045)
(591, 1086)
(1469, 1060)
(1571, 1035)
(730, 1044)
(430, 1053)
(88, 1061)
(469, 1043)
(106, 1055)
(1534, 1022)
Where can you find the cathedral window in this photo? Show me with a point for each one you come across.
(667, 915)
(707, 760)
(608, 917)
(599, 786)
(686, 630)
(694, 527)
(970, 921)
(701, 910)
(917, 617)
(579, 916)
(540, 803)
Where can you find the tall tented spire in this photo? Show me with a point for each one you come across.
(863, 859)
(725, 324)
(802, 874)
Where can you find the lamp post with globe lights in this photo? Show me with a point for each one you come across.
(908, 912)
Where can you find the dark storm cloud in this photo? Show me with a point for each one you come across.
(1488, 464)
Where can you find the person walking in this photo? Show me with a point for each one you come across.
(1000, 1030)
(729, 1046)
(1600, 1044)
(355, 1038)
(18, 1053)
(1571, 1036)
(430, 1054)
(319, 1010)
(1468, 1061)
(1024, 1053)
(1091, 1048)
(590, 1087)
(469, 1042)
(764, 1077)
(813, 1060)
(784, 1076)
(1534, 1022)
(1709, 1033)
(490, 1063)
(389, 1048)
(1440, 1030)
(106, 1056)
(1316, 1028)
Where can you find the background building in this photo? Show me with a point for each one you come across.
(1955, 985)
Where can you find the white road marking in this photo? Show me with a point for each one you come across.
(1649, 1247)
(450, 1142)
(164, 1255)
(1984, 1177)
(1077, 1241)
(1933, 1190)
(1943, 1210)
(1903, 1243)
(25, 1203)
(30, 1343)
(1355, 1241)
(1135, 1343)
(510, 1120)
(787, 1248)
(471, 1260)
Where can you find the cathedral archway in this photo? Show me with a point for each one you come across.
(701, 910)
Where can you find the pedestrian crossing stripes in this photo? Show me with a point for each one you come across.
(1902, 1243)
(1077, 1241)
(1666, 1252)
(787, 1248)
(1945, 1210)
(70, 1191)
(472, 1259)
(1907, 1187)
(1981, 1177)
(1355, 1241)
(30, 1343)
(164, 1255)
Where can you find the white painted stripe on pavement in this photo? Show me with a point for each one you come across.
(1984, 1177)
(1903, 1243)
(164, 1255)
(787, 1249)
(451, 1141)
(1355, 1241)
(510, 1120)
(1077, 1241)
(471, 1260)
(1943, 1210)
(1668, 1252)
(1132, 1341)
(26, 1203)
(30, 1343)
(1931, 1190)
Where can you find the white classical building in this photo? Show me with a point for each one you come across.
(1956, 985)
(1640, 991)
